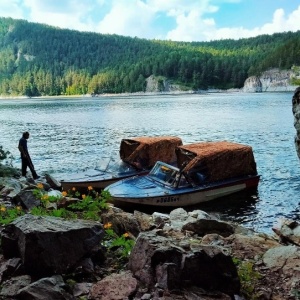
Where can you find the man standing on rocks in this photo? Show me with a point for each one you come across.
(25, 157)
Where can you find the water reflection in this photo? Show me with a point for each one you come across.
(240, 207)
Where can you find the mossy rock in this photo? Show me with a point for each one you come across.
(7, 171)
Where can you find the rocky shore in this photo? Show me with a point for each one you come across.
(179, 255)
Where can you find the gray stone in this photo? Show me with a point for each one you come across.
(200, 214)
(158, 261)
(159, 218)
(10, 187)
(10, 288)
(55, 193)
(121, 222)
(204, 226)
(289, 231)
(198, 222)
(178, 218)
(278, 257)
(116, 286)
(52, 288)
(55, 184)
(178, 214)
(27, 199)
(144, 220)
(81, 289)
(56, 244)
(11, 267)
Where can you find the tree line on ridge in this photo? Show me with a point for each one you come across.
(38, 60)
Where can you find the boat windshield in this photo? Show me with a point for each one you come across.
(166, 174)
(116, 166)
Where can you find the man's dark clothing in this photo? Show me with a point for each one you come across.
(25, 157)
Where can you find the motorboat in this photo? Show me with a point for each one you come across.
(137, 156)
(204, 171)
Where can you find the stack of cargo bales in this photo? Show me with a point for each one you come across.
(214, 161)
(144, 152)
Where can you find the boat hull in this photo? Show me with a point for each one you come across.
(78, 185)
(191, 196)
(96, 182)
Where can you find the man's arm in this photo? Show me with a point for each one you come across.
(21, 149)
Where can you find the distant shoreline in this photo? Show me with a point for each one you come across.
(144, 94)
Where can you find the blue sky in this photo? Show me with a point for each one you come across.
(178, 20)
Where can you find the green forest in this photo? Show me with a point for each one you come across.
(39, 60)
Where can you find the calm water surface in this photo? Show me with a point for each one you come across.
(73, 134)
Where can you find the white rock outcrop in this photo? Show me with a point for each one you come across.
(160, 84)
(273, 80)
(252, 85)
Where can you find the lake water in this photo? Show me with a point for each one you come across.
(75, 133)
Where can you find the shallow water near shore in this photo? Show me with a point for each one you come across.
(72, 134)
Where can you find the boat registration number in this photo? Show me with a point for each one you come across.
(167, 199)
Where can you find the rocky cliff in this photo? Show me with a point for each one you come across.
(296, 113)
(273, 80)
(155, 84)
(252, 85)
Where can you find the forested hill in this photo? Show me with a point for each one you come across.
(39, 60)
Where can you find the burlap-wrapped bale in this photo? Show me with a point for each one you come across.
(215, 161)
(144, 152)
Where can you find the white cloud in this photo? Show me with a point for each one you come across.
(193, 19)
(137, 18)
(11, 8)
(292, 22)
(128, 18)
(71, 14)
(194, 28)
(280, 23)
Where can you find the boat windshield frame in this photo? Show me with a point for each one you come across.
(168, 175)
(118, 166)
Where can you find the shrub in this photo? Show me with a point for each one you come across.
(248, 277)
(7, 215)
(123, 244)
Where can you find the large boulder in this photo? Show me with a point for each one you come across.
(27, 199)
(121, 222)
(296, 112)
(198, 222)
(49, 245)
(160, 261)
(52, 288)
(11, 287)
(10, 187)
(289, 231)
(115, 286)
